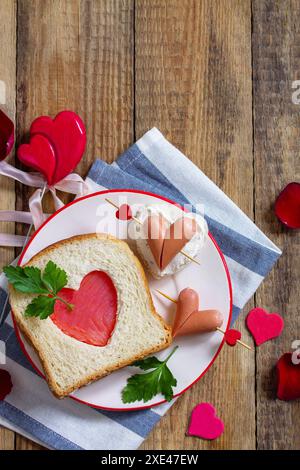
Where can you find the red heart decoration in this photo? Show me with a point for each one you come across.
(124, 212)
(93, 317)
(5, 384)
(288, 377)
(287, 205)
(38, 154)
(232, 336)
(7, 135)
(66, 133)
(204, 423)
(263, 325)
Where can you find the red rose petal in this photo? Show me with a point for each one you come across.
(5, 384)
(7, 135)
(288, 376)
(287, 205)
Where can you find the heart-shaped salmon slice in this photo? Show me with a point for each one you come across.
(166, 241)
(93, 317)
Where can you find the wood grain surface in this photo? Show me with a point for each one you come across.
(215, 77)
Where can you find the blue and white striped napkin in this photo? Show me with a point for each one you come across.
(154, 165)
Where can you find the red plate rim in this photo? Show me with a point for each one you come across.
(107, 191)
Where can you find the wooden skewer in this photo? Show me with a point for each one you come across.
(139, 222)
(218, 329)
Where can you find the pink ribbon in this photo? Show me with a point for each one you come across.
(72, 184)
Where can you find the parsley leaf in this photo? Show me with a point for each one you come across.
(27, 280)
(31, 280)
(143, 387)
(54, 277)
(41, 306)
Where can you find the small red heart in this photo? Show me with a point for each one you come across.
(93, 317)
(5, 384)
(232, 336)
(287, 205)
(263, 325)
(124, 212)
(204, 423)
(38, 154)
(288, 377)
(7, 135)
(67, 134)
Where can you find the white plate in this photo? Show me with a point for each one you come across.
(211, 280)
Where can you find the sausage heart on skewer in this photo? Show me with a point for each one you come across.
(189, 320)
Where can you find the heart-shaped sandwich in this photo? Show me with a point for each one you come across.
(163, 236)
(111, 323)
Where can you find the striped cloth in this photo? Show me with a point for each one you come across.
(154, 165)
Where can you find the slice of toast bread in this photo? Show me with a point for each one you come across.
(139, 331)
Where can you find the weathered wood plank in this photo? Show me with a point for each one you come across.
(193, 81)
(7, 187)
(276, 55)
(81, 59)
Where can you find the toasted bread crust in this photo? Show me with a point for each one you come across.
(57, 392)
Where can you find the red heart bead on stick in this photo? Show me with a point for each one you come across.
(287, 205)
(94, 314)
(232, 336)
(5, 384)
(204, 423)
(288, 378)
(263, 325)
(7, 135)
(67, 135)
(124, 212)
(39, 155)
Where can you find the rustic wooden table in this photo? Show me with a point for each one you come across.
(215, 76)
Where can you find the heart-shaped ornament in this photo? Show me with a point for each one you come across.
(93, 317)
(232, 336)
(263, 325)
(204, 423)
(67, 134)
(124, 212)
(288, 378)
(39, 155)
(7, 135)
(5, 384)
(189, 320)
(167, 240)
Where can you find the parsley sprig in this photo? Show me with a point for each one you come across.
(146, 386)
(31, 280)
